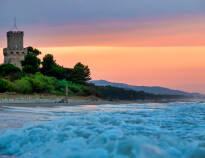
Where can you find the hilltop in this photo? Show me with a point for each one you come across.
(157, 90)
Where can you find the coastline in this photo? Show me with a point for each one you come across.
(71, 102)
(47, 100)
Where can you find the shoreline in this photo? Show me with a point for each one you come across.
(48, 100)
(71, 102)
(85, 101)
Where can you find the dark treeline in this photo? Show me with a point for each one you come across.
(115, 93)
(78, 74)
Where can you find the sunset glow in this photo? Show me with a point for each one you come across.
(102, 78)
(173, 67)
(159, 43)
(172, 31)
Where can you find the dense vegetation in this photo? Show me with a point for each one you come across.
(48, 77)
(45, 76)
(38, 83)
(115, 93)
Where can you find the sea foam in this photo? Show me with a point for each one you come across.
(174, 130)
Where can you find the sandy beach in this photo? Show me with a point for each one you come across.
(53, 101)
(71, 102)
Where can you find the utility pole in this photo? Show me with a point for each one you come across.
(66, 94)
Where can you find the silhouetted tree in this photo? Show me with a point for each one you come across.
(34, 51)
(30, 63)
(50, 68)
(47, 63)
(80, 74)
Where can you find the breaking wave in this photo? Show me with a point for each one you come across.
(175, 130)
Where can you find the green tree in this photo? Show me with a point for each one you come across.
(47, 63)
(51, 68)
(10, 72)
(80, 74)
(34, 51)
(30, 63)
(6, 86)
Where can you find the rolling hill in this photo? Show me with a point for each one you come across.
(147, 89)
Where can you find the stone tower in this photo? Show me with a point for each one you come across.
(15, 52)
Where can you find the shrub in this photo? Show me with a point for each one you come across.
(23, 86)
(10, 72)
(6, 86)
(42, 84)
(37, 83)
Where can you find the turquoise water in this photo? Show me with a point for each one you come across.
(171, 130)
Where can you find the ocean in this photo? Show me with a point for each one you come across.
(154, 130)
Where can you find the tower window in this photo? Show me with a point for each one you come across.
(12, 52)
(17, 53)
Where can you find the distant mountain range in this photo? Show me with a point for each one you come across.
(153, 90)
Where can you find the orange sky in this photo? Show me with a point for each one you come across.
(174, 67)
(153, 52)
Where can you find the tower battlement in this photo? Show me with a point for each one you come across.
(15, 51)
(10, 33)
(15, 39)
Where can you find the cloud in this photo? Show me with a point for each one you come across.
(106, 22)
(181, 31)
(55, 12)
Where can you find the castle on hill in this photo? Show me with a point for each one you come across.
(15, 51)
